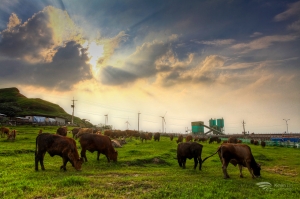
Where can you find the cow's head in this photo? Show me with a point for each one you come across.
(256, 170)
(114, 155)
(77, 163)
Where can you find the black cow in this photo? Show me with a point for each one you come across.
(189, 150)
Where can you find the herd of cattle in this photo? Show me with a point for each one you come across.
(230, 151)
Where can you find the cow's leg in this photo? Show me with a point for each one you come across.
(200, 162)
(183, 162)
(37, 162)
(41, 158)
(224, 167)
(179, 162)
(249, 168)
(65, 160)
(98, 155)
(195, 162)
(108, 160)
(83, 154)
(241, 174)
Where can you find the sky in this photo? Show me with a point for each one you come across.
(142, 60)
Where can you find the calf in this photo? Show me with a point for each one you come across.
(100, 143)
(189, 150)
(237, 154)
(57, 145)
(4, 130)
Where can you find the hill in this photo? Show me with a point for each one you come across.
(13, 103)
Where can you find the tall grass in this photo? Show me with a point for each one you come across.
(143, 170)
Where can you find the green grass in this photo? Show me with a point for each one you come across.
(143, 170)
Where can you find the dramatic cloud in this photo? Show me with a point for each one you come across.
(293, 10)
(217, 42)
(37, 39)
(69, 66)
(263, 42)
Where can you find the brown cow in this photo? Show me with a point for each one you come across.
(189, 150)
(40, 131)
(144, 136)
(75, 131)
(100, 143)
(12, 135)
(83, 131)
(237, 154)
(189, 138)
(4, 131)
(62, 131)
(255, 142)
(55, 144)
(171, 137)
(157, 137)
(180, 139)
(232, 140)
(263, 144)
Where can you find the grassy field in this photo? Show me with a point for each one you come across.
(143, 170)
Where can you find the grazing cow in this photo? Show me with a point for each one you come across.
(83, 131)
(62, 131)
(252, 141)
(232, 140)
(237, 154)
(202, 139)
(189, 150)
(55, 144)
(156, 136)
(263, 144)
(12, 135)
(214, 139)
(75, 131)
(171, 137)
(189, 138)
(150, 136)
(100, 143)
(255, 142)
(197, 139)
(180, 139)
(144, 136)
(4, 131)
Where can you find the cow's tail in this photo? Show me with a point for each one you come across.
(211, 155)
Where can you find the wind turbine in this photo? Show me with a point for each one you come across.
(127, 123)
(163, 121)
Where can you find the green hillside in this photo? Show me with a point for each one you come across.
(13, 104)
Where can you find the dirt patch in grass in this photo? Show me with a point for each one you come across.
(282, 170)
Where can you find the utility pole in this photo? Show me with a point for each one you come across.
(73, 106)
(244, 132)
(287, 126)
(139, 121)
(106, 119)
